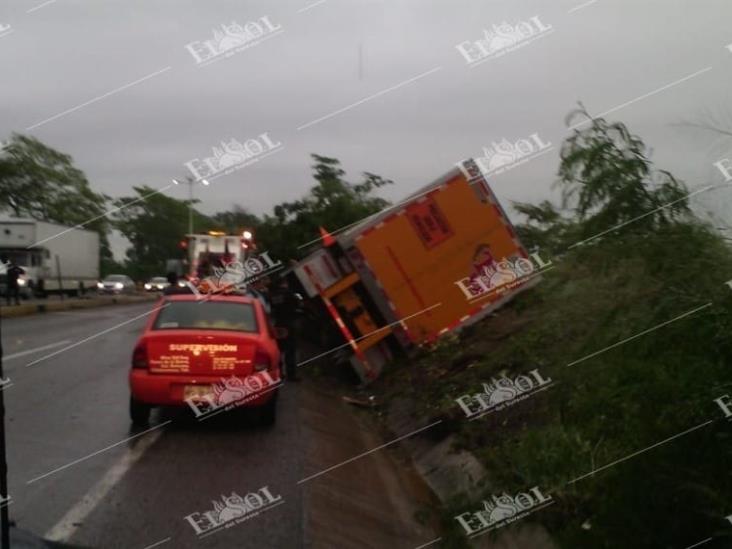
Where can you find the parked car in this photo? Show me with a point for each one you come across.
(116, 284)
(207, 354)
(156, 284)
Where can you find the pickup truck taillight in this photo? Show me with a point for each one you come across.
(139, 356)
(261, 361)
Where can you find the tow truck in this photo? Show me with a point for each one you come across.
(206, 251)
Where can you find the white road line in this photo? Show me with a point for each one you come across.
(70, 522)
(641, 451)
(31, 351)
(644, 96)
(369, 98)
(370, 451)
(98, 452)
(640, 334)
(99, 98)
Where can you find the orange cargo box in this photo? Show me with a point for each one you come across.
(441, 259)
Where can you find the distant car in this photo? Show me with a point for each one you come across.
(116, 284)
(156, 284)
(206, 354)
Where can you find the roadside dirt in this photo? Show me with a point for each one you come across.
(372, 501)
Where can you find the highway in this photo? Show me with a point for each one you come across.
(78, 473)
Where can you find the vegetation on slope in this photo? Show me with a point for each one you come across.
(628, 373)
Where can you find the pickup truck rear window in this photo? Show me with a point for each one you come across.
(207, 315)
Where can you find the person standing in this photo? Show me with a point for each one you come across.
(12, 274)
(285, 306)
(258, 289)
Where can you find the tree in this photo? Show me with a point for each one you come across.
(333, 203)
(607, 176)
(42, 183)
(236, 220)
(545, 228)
(154, 224)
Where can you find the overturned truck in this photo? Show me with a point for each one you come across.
(439, 260)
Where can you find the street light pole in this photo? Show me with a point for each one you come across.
(190, 200)
(190, 206)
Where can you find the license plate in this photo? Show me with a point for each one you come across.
(198, 392)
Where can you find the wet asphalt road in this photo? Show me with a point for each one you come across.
(66, 479)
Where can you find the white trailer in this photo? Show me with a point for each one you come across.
(55, 258)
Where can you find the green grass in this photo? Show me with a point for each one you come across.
(609, 406)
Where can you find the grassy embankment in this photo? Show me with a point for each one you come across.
(608, 406)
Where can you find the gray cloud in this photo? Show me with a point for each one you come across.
(605, 54)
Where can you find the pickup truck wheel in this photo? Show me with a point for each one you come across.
(139, 412)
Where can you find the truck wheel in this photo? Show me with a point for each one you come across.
(139, 412)
(267, 414)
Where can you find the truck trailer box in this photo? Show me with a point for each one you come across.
(439, 260)
(35, 245)
(77, 249)
(424, 261)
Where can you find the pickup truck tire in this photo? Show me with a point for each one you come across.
(139, 412)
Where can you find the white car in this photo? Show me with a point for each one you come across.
(116, 284)
(156, 284)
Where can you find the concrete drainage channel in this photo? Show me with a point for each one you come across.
(49, 306)
(451, 474)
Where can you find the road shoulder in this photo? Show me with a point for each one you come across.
(372, 501)
(49, 306)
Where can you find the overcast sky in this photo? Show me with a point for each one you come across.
(426, 108)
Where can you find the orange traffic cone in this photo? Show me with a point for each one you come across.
(328, 239)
